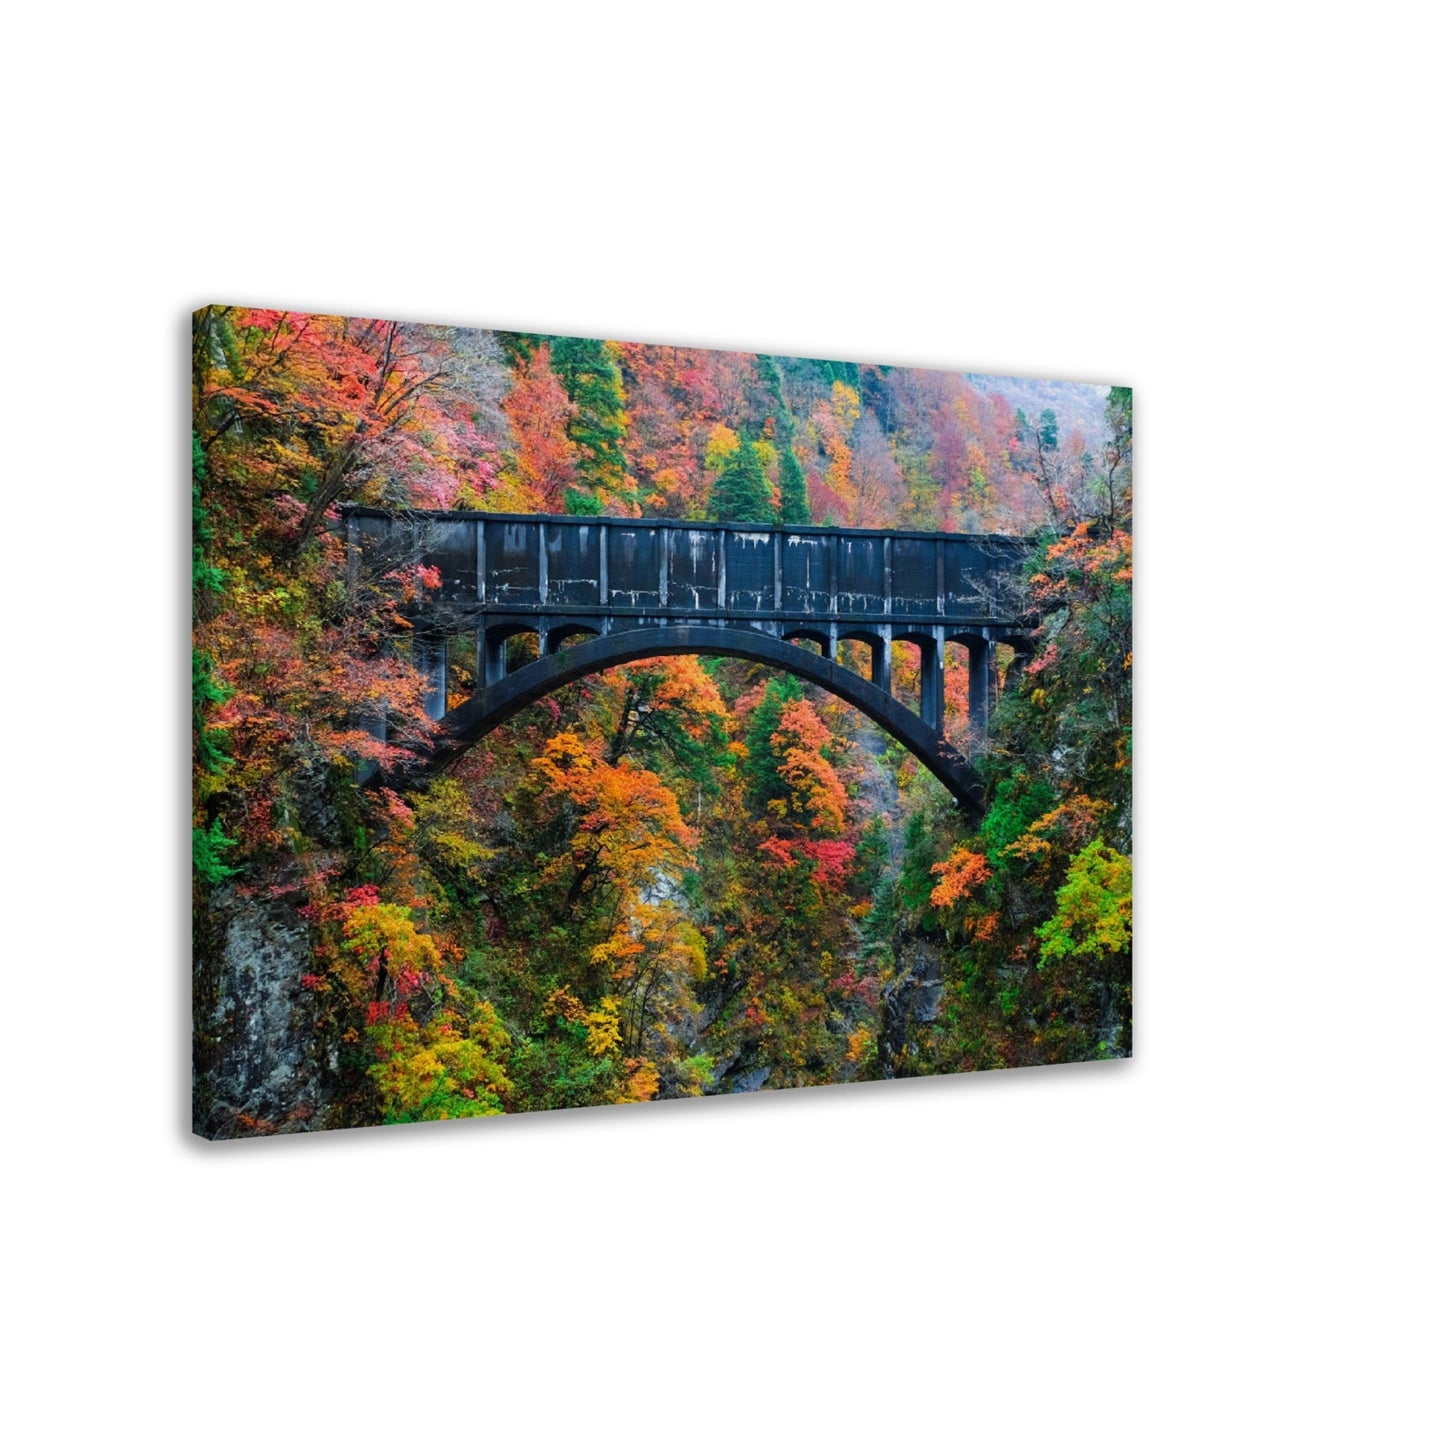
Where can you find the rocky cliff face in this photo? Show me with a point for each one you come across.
(259, 1066)
(911, 999)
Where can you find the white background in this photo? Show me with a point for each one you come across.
(1233, 1236)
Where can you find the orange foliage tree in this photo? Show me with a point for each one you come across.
(543, 459)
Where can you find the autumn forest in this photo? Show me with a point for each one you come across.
(686, 875)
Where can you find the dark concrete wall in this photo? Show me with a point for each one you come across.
(616, 566)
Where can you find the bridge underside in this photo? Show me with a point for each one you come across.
(504, 694)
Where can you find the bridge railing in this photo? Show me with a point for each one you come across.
(620, 567)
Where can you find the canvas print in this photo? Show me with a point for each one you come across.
(584, 722)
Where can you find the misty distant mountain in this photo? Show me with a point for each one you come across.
(1078, 405)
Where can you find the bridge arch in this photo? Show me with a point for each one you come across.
(506, 696)
(871, 635)
(820, 635)
(568, 631)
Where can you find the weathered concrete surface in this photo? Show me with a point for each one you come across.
(616, 566)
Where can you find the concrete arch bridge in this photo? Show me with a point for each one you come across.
(599, 591)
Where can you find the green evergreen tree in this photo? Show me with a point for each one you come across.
(874, 855)
(791, 482)
(772, 380)
(1116, 483)
(520, 346)
(207, 691)
(741, 492)
(1119, 413)
(591, 378)
(761, 768)
(794, 486)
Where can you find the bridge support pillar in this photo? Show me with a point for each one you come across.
(491, 658)
(883, 661)
(930, 667)
(429, 653)
(982, 691)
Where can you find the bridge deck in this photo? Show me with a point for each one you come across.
(617, 567)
